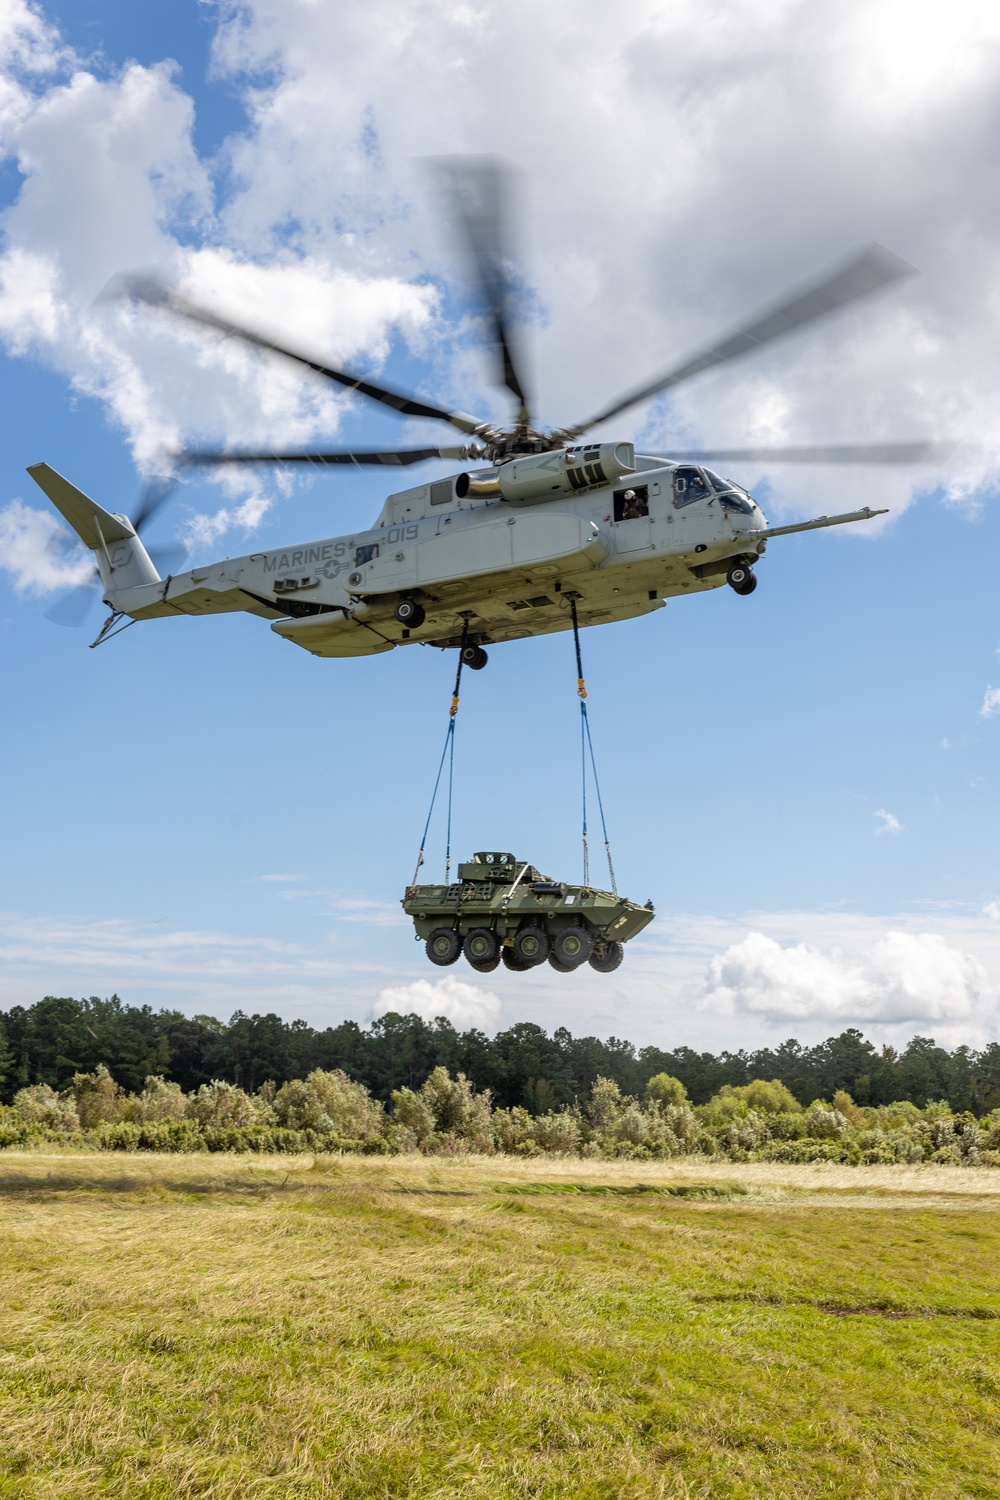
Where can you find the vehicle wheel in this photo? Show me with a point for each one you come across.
(741, 578)
(559, 966)
(573, 946)
(443, 946)
(607, 958)
(487, 965)
(474, 657)
(512, 962)
(409, 612)
(531, 946)
(480, 946)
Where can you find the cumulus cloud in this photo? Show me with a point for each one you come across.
(905, 978)
(464, 1005)
(889, 822)
(991, 703)
(32, 544)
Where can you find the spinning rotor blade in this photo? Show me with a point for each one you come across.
(157, 491)
(73, 607)
(155, 294)
(868, 272)
(834, 453)
(479, 190)
(391, 458)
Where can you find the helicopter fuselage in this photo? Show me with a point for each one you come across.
(494, 568)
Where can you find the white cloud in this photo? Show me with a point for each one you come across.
(889, 824)
(911, 978)
(991, 703)
(32, 545)
(992, 910)
(464, 1005)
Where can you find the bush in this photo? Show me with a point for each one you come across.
(662, 1089)
(41, 1105)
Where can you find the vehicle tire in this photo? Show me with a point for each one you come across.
(487, 966)
(443, 946)
(559, 966)
(531, 946)
(741, 578)
(608, 959)
(409, 612)
(480, 946)
(512, 962)
(573, 946)
(474, 657)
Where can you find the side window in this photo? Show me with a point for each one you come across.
(365, 554)
(632, 503)
(689, 485)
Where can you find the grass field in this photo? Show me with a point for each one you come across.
(227, 1327)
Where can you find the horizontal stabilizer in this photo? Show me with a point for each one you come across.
(82, 513)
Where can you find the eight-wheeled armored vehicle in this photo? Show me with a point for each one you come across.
(503, 910)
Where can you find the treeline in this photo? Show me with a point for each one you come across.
(331, 1113)
(57, 1039)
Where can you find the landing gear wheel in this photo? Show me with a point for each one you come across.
(531, 946)
(573, 946)
(443, 946)
(487, 966)
(474, 657)
(559, 966)
(481, 946)
(512, 962)
(607, 957)
(408, 612)
(741, 578)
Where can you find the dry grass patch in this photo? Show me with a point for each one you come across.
(247, 1327)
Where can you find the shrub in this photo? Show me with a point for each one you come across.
(221, 1105)
(41, 1105)
(332, 1104)
(446, 1114)
(662, 1089)
(159, 1100)
(98, 1097)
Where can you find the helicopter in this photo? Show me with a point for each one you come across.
(539, 530)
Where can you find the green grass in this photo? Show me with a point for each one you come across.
(397, 1328)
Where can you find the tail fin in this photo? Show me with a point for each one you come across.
(122, 559)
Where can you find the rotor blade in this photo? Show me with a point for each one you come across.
(73, 607)
(392, 457)
(167, 559)
(155, 294)
(479, 191)
(832, 453)
(868, 272)
(155, 494)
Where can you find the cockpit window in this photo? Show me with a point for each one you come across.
(737, 502)
(733, 498)
(689, 485)
(721, 484)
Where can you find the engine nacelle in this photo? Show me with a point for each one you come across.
(538, 476)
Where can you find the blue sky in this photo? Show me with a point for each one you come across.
(198, 814)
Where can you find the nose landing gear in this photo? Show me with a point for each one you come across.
(741, 578)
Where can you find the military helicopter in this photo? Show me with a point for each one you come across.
(538, 528)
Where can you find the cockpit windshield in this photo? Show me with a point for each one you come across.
(733, 498)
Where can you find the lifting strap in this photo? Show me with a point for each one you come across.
(449, 752)
(587, 745)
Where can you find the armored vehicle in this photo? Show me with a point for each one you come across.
(504, 910)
